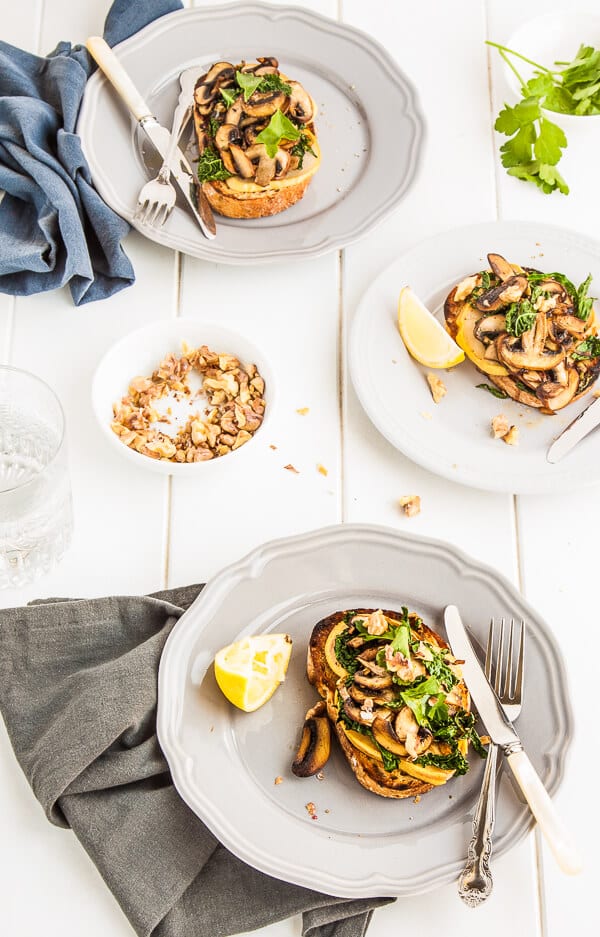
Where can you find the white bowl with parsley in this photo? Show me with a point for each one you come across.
(552, 64)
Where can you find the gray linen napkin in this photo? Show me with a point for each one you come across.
(54, 227)
(78, 689)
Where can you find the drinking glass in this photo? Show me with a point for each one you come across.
(36, 518)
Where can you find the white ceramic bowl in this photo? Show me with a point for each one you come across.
(140, 352)
(550, 38)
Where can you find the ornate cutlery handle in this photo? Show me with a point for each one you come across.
(475, 883)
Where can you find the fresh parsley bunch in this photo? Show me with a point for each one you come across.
(536, 144)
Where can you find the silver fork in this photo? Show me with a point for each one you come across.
(157, 197)
(475, 883)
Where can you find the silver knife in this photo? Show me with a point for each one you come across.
(503, 734)
(158, 135)
(583, 424)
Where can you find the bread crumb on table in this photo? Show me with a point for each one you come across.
(291, 468)
(437, 387)
(278, 780)
(512, 437)
(303, 411)
(410, 504)
(321, 469)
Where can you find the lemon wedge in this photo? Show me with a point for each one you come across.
(425, 338)
(249, 671)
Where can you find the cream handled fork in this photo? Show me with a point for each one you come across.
(157, 197)
(158, 135)
(475, 882)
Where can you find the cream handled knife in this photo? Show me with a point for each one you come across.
(503, 734)
(583, 424)
(158, 135)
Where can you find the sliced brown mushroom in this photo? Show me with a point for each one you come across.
(500, 267)
(300, 104)
(264, 104)
(418, 742)
(560, 374)
(367, 660)
(252, 128)
(373, 681)
(510, 387)
(257, 68)
(531, 378)
(228, 161)
(570, 324)
(379, 697)
(405, 722)
(207, 87)
(489, 326)
(234, 113)
(555, 396)
(502, 295)
(226, 135)
(315, 743)
(282, 162)
(384, 734)
(356, 713)
(266, 170)
(243, 165)
(531, 360)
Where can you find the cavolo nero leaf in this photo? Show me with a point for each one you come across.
(494, 391)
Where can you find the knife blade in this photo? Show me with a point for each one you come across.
(158, 135)
(503, 734)
(583, 424)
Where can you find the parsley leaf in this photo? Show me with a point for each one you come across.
(494, 391)
(230, 97)
(279, 128)
(211, 167)
(248, 82)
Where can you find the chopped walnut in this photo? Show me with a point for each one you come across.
(235, 394)
(411, 505)
(500, 426)
(437, 387)
(502, 430)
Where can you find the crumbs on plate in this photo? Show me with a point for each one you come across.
(231, 397)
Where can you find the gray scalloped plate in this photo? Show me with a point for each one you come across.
(355, 82)
(224, 762)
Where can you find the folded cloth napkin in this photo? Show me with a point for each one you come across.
(54, 227)
(78, 690)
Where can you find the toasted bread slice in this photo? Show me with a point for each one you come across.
(327, 674)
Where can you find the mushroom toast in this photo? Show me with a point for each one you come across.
(256, 138)
(533, 334)
(395, 697)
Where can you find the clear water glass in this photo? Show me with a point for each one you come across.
(36, 517)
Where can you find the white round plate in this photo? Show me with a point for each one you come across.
(453, 438)
(369, 158)
(224, 762)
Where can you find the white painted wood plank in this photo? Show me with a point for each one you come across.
(456, 186)
(21, 27)
(560, 597)
(240, 505)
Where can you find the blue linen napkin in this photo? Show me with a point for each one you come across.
(54, 227)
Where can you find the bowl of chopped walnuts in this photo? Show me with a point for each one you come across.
(182, 392)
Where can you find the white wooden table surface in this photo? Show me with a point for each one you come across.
(136, 531)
